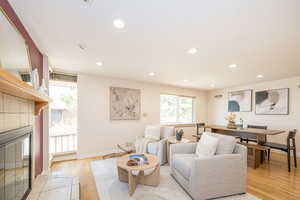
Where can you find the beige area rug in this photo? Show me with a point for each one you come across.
(110, 188)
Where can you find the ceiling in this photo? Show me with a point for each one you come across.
(261, 37)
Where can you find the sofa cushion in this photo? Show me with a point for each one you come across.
(207, 146)
(152, 148)
(183, 164)
(226, 143)
(152, 132)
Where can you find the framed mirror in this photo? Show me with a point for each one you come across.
(14, 55)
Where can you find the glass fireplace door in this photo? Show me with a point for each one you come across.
(2, 176)
(15, 169)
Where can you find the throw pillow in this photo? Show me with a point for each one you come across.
(207, 146)
(152, 132)
(226, 144)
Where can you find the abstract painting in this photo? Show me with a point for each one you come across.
(240, 101)
(125, 103)
(272, 102)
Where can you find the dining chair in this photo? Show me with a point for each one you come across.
(248, 138)
(290, 146)
(199, 126)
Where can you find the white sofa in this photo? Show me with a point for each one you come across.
(209, 177)
(159, 148)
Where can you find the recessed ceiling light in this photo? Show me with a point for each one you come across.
(87, 1)
(185, 80)
(99, 63)
(232, 66)
(82, 46)
(151, 74)
(260, 76)
(192, 51)
(119, 24)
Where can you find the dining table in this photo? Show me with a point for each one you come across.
(259, 134)
(256, 152)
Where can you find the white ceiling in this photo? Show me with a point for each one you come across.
(261, 37)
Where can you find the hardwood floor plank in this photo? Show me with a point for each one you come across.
(271, 181)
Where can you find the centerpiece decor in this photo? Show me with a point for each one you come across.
(231, 121)
(179, 134)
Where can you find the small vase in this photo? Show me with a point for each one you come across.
(179, 135)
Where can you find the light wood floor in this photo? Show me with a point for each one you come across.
(270, 182)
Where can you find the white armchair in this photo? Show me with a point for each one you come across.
(159, 148)
(209, 177)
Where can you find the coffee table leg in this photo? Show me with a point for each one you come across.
(131, 183)
(150, 179)
(123, 175)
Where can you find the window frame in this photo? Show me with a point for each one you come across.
(178, 108)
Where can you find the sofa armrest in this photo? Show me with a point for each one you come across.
(220, 171)
(242, 150)
(184, 148)
(162, 151)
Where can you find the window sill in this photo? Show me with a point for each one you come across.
(64, 153)
(179, 124)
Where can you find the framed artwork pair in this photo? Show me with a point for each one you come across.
(267, 102)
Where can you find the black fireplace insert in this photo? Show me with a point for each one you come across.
(15, 163)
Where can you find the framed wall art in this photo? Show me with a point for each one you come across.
(240, 101)
(125, 103)
(272, 102)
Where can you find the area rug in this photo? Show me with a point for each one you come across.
(110, 188)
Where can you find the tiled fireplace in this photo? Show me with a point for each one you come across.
(16, 172)
(15, 112)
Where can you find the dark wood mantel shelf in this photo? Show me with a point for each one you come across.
(9, 84)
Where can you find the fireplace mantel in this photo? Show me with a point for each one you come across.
(9, 84)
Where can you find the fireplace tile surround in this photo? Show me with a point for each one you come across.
(15, 112)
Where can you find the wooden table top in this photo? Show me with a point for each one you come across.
(122, 163)
(247, 130)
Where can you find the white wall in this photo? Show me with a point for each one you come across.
(218, 108)
(97, 134)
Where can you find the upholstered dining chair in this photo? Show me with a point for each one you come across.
(290, 146)
(248, 138)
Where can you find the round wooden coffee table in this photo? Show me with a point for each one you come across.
(126, 175)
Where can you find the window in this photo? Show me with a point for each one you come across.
(63, 116)
(176, 109)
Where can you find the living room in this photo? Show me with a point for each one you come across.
(149, 100)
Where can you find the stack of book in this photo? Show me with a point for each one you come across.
(141, 159)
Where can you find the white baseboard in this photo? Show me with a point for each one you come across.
(91, 155)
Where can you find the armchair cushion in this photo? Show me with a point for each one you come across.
(207, 146)
(152, 132)
(183, 164)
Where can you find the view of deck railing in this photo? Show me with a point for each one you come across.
(63, 143)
